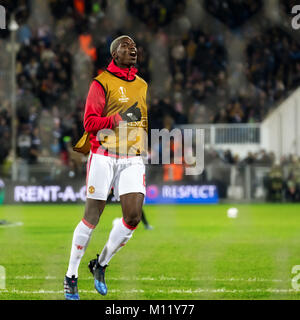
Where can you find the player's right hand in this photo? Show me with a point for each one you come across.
(131, 114)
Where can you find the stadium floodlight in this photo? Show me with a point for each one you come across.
(13, 27)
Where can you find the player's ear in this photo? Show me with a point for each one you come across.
(115, 56)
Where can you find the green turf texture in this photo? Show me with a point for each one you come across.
(193, 252)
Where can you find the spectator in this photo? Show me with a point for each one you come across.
(275, 184)
(24, 148)
(292, 189)
(35, 146)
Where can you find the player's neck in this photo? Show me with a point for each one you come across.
(122, 66)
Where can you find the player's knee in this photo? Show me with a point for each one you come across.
(133, 220)
(93, 211)
(92, 217)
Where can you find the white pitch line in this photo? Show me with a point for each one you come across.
(179, 291)
(161, 278)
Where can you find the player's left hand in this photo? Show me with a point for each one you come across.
(131, 114)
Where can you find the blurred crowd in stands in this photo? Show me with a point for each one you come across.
(283, 180)
(51, 70)
(233, 13)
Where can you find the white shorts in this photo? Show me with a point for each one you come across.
(123, 175)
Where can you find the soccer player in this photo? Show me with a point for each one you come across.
(117, 94)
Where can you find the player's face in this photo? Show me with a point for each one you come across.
(126, 53)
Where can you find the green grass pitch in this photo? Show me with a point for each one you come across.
(193, 252)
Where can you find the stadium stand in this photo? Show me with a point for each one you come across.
(55, 58)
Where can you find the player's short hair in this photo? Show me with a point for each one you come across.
(114, 45)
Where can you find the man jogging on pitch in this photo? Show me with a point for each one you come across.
(115, 160)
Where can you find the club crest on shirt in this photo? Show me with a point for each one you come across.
(123, 97)
(91, 189)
